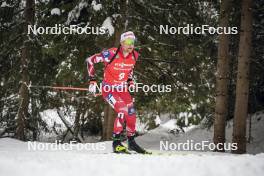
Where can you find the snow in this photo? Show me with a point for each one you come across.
(165, 132)
(55, 11)
(170, 125)
(4, 4)
(16, 159)
(54, 122)
(96, 158)
(42, 1)
(157, 120)
(95, 6)
(51, 116)
(141, 127)
(75, 12)
(108, 25)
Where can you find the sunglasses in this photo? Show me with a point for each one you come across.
(129, 41)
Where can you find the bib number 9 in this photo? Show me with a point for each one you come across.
(121, 76)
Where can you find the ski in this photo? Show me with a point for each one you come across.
(123, 152)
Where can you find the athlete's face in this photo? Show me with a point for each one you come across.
(128, 45)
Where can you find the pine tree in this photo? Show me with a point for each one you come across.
(109, 114)
(23, 113)
(222, 77)
(242, 85)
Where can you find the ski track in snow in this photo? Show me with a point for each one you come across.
(16, 159)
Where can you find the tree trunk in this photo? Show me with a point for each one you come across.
(222, 78)
(76, 127)
(110, 122)
(109, 114)
(242, 85)
(35, 118)
(104, 134)
(22, 114)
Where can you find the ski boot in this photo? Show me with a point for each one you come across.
(118, 147)
(132, 145)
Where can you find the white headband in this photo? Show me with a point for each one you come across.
(127, 35)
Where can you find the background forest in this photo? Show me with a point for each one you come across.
(30, 64)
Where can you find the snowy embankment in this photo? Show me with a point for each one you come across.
(16, 159)
(197, 134)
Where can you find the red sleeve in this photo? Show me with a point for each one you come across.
(104, 56)
(90, 61)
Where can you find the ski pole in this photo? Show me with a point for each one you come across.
(65, 88)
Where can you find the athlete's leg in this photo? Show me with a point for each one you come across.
(123, 105)
(127, 107)
(114, 100)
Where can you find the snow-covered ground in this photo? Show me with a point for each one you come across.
(16, 159)
(198, 134)
(20, 158)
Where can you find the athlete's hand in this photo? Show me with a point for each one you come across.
(92, 86)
